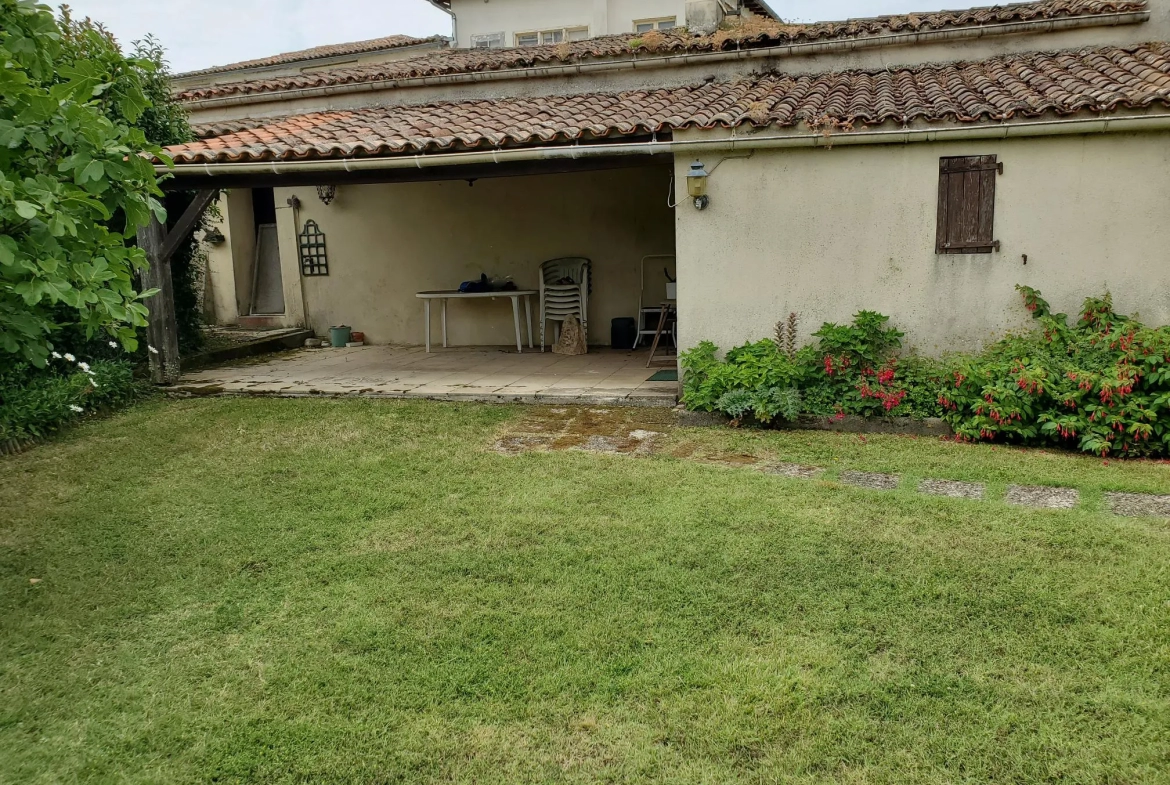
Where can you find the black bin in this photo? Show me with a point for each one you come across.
(623, 331)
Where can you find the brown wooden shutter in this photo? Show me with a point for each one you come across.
(966, 204)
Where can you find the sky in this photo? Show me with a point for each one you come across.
(204, 33)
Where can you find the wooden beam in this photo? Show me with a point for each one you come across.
(186, 223)
(162, 331)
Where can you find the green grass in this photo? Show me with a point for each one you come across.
(355, 591)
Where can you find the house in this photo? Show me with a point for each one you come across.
(318, 58)
(507, 23)
(921, 165)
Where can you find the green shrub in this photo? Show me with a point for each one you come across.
(1101, 385)
(854, 369)
(756, 379)
(35, 402)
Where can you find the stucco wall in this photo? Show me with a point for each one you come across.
(386, 242)
(622, 13)
(220, 286)
(513, 16)
(826, 233)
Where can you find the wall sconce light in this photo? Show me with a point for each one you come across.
(214, 236)
(697, 185)
(327, 193)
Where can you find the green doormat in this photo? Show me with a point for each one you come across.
(670, 375)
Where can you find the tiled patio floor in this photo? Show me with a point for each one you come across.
(603, 376)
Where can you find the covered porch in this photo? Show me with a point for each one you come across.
(358, 250)
(493, 374)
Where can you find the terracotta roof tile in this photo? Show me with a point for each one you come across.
(758, 33)
(319, 52)
(1012, 86)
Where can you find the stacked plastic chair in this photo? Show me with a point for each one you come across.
(564, 292)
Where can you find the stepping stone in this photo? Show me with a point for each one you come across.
(513, 445)
(1139, 504)
(793, 470)
(1043, 496)
(952, 489)
(873, 480)
(601, 444)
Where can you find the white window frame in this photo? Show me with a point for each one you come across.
(488, 41)
(575, 33)
(656, 23)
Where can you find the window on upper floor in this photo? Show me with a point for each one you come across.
(966, 204)
(663, 23)
(487, 41)
(554, 36)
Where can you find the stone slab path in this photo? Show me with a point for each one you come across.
(625, 431)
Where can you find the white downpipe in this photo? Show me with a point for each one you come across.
(1088, 125)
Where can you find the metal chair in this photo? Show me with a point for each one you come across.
(559, 301)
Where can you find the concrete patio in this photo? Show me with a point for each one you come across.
(604, 376)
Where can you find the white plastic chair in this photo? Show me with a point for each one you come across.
(558, 301)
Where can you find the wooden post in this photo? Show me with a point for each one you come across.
(162, 331)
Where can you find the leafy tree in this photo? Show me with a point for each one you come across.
(74, 185)
(164, 122)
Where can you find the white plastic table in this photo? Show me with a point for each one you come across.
(444, 296)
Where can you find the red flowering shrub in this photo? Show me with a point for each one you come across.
(1101, 385)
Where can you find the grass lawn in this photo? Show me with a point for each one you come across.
(361, 591)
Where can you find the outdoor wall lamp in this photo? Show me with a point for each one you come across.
(327, 193)
(214, 236)
(697, 185)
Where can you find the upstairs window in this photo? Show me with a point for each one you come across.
(555, 36)
(663, 23)
(966, 204)
(487, 41)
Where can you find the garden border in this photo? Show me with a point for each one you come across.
(898, 426)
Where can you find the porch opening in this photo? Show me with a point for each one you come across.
(267, 284)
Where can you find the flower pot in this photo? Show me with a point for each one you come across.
(339, 336)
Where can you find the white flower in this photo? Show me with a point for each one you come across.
(151, 349)
(113, 344)
(56, 355)
(91, 381)
(70, 357)
(84, 367)
(76, 408)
